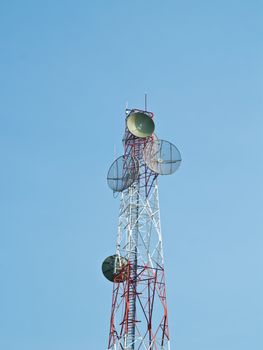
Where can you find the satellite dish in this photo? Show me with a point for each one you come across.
(122, 173)
(140, 124)
(113, 268)
(162, 157)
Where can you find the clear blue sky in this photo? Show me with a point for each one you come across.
(67, 69)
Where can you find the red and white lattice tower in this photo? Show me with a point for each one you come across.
(139, 314)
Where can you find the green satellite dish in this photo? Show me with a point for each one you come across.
(113, 268)
(140, 124)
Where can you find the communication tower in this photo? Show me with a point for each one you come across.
(139, 317)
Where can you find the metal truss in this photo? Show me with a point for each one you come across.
(139, 309)
(139, 319)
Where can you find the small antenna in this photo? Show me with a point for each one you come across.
(115, 152)
(126, 109)
(145, 101)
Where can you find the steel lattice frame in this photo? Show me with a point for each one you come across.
(139, 310)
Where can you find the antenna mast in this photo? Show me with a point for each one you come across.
(139, 317)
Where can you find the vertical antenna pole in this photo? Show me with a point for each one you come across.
(115, 152)
(145, 101)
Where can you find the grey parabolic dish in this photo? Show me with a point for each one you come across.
(162, 157)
